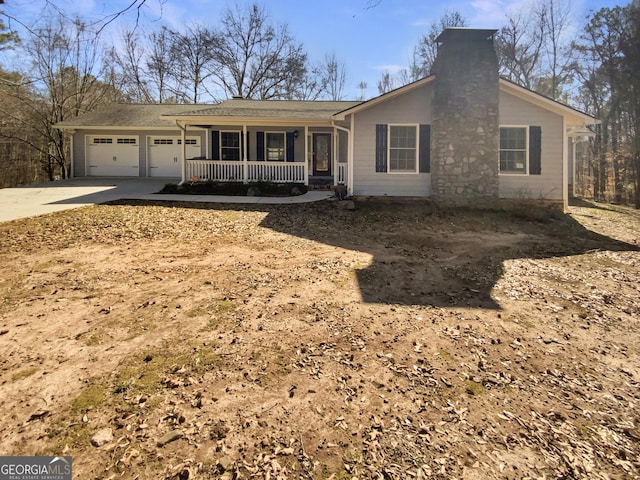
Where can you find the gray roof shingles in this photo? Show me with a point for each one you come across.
(139, 115)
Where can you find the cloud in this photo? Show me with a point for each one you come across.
(392, 69)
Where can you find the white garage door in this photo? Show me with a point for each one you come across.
(113, 156)
(165, 153)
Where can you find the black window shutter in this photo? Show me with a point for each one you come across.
(215, 145)
(290, 146)
(260, 146)
(425, 149)
(381, 148)
(535, 150)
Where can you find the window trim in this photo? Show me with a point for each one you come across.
(416, 126)
(266, 145)
(526, 152)
(220, 146)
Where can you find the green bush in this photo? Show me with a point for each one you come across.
(266, 189)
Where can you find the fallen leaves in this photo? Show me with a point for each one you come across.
(296, 342)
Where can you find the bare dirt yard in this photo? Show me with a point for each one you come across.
(186, 341)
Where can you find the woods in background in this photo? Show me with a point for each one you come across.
(68, 69)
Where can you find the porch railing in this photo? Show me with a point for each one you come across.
(342, 174)
(239, 171)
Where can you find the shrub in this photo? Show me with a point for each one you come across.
(266, 189)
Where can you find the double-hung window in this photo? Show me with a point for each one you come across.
(275, 146)
(403, 149)
(513, 150)
(230, 145)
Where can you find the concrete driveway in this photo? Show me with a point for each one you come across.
(50, 197)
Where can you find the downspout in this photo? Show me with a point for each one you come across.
(183, 163)
(565, 166)
(349, 179)
(72, 169)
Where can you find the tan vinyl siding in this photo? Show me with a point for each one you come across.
(515, 111)
(413, 107)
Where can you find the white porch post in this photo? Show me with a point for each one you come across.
(574, 144)
(565, 165)
(245, 165)
(350, 157)
(306, 155)
(183, 131)
(334, 156)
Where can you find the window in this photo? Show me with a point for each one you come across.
(403, 148)
(127, 141)
(163, 141)
(513, 150)
(230, 145)
(274, 146)
(102, 140)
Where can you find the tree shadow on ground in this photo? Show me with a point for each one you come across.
(608, 207)
(427, 256)
(446, 258)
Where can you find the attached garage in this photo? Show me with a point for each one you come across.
(164, 154)
(112, 156)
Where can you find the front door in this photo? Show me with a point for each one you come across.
(322, 154)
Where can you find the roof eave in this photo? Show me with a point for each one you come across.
(383, 98)
(571, 115)
(248, 120)
(113, 127)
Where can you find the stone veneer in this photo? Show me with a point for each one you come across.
(465, 125)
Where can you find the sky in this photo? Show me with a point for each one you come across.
(368, 36)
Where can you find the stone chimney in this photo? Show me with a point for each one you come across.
(465, 129)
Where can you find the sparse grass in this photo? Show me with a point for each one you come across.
(224, 306)
(473, 388)
(24, 373)
(522, 322)
(144, 373)
(64, 436)
(90, 398)
(444, 355)
(93, 339)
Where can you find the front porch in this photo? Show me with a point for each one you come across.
(259, 171)
(271, 141)
(276, 154)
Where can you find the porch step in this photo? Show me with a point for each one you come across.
(320, 183)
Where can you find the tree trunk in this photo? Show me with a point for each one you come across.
(615, 154)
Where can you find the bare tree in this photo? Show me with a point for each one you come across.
(386, 83)
(161, 64)
(257, 59)
(195, 50)
(335, 76)
(64, 83)
(555, 16)
(363, 90)
(130, 76)
(519, 46)
(427, 48)
(412, 73)
(631, 51)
